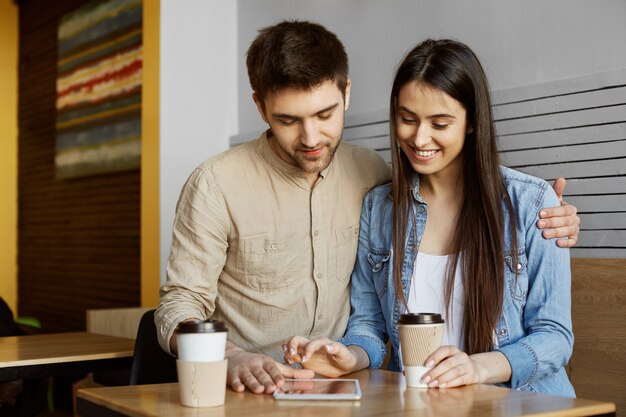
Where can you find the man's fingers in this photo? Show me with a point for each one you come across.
(560, 232)
(564, 210)
(251, 382)
(567, 243)
(234, 382)
(559, 187)
(274, 372)
(264, 379)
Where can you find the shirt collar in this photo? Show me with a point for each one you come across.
(415, 188)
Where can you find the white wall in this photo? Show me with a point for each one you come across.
(519, 42)
(198, 94)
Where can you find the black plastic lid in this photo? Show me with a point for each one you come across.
(201, 326)
(420, 318)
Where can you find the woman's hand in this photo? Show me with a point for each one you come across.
(451, 367)
(324, 356)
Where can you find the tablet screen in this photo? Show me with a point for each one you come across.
(319, 389)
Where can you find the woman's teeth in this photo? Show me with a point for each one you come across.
(426, 153)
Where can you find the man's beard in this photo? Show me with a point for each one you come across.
(312, 165)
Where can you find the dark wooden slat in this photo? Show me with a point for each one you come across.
(584, 100)
(571, 153)
(610, 167)
(562, 120)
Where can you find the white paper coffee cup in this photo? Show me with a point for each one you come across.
(201, 366)
(201, 341)
(420, 335)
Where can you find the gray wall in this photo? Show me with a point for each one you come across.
(519, 42)
(198, 95)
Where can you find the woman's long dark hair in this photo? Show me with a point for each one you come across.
(451, 67)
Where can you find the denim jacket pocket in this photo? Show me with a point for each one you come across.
(379, 262)
(516, 274)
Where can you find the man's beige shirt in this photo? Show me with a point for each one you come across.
(255, 246)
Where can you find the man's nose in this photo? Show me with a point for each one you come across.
(309, 134)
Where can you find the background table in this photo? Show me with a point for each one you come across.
(45, 355)
(384, 394)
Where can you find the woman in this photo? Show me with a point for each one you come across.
(454, 232)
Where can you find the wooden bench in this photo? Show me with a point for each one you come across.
(574, 128)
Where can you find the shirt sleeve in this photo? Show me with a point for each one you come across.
(366, 326)
(197, 255)
(547, 345)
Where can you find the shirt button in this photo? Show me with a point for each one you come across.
(316, 233)
(273, 246)
(319, 316)
(319, 275)
(420, 209)
(519, 266)
(503, 332)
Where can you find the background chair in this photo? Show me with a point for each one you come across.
(21, 397)
(151, 364)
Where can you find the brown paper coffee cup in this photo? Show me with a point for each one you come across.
(418, 342)
(202, 384)
(420, 335)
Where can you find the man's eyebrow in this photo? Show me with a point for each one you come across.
(291, 116)
(432, 116)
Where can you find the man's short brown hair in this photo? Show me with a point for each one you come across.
(296, 54)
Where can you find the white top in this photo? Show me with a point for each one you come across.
(426, 294)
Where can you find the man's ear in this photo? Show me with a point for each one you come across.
(260, 107)
(346, 96)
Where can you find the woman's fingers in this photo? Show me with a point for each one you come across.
(313, 346)
(451, 367)
(292, 348)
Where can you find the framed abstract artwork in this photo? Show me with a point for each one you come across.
(98, 90)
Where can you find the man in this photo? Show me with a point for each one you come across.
(265, 234)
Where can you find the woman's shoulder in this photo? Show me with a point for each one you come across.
(514, 179)
(528, 194)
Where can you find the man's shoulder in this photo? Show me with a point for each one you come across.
(363, 163)
(230, 157)
(356, 152)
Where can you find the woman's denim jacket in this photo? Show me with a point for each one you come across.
(535, 328)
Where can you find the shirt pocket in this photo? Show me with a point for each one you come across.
(272, 264)
(516, 275)
(380, 264)
(344, 252)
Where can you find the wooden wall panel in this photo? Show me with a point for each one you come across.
(598, 366)
(78, 239)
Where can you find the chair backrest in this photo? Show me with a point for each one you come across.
(151, 365)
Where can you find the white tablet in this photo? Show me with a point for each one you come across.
(319, 389)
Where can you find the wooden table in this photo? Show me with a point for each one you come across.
(384, 394)
(44, 355)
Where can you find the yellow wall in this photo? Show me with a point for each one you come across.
(150, 261)
(8, 152)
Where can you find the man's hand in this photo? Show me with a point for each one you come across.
(560, 222)
(259, 373)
